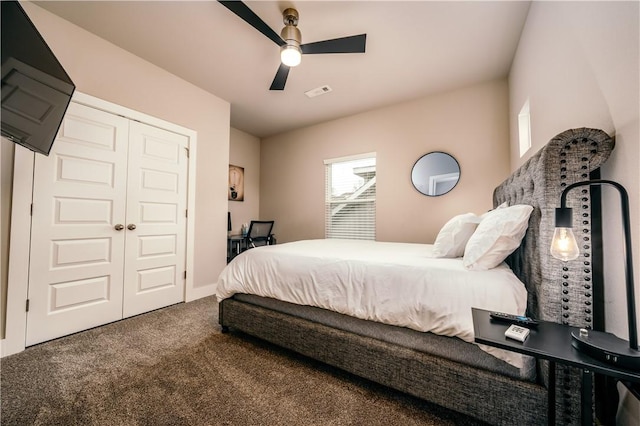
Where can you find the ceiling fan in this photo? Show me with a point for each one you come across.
(290, 38)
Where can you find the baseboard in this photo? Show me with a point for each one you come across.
(195, 293)
(7, 347)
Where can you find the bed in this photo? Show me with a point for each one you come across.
(422, 345)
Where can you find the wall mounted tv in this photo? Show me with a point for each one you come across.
(36, 90)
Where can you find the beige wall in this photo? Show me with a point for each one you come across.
(244, 151)
(578, 64)
(103, 70)
(470, 123)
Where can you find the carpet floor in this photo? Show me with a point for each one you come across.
(173, 366)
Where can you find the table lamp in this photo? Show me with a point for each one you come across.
(600, 345)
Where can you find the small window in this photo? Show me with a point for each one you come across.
(524, 128)
(350, 187)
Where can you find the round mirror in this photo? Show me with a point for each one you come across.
(435, 173)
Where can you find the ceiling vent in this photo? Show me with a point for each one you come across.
(318, 91)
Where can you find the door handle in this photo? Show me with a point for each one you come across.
(131, 226)
(119, 227)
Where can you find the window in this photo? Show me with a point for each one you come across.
(350, 188)
(524, 128)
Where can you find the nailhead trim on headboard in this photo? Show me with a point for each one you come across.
(585, 148)
(558, 291)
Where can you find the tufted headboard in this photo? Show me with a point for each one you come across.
(559, 291)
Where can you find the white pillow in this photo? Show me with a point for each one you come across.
(453, 236)
(499, 233)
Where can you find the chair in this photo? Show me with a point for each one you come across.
(259, 233)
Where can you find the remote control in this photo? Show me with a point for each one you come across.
(516, 332)
(514, 319)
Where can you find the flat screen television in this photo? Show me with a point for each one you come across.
(36, 90)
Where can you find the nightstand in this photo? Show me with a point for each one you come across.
(552, 342)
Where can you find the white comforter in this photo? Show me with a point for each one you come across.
(392, 283)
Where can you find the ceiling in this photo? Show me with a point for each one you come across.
(414, 49)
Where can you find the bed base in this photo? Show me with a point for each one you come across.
(487, 396)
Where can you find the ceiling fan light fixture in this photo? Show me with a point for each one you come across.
(290, 55)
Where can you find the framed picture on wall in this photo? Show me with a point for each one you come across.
(236, 183)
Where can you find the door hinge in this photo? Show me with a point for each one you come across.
(31, 210)
(185, 275)
(186, 213)
(187, 150)
(27, 306)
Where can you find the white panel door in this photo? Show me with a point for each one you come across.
(75, 272)
(108, 225)
(156, 219)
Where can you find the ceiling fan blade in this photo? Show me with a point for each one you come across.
(351, 44)
(246, 14)
(280, 78)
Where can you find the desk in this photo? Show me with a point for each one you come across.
(552, 342)
(235, 245)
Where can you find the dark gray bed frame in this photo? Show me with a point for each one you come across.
(558, 291)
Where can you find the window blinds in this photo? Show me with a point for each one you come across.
(350, 207)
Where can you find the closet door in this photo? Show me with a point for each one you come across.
(75, 272)
(156, 219)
